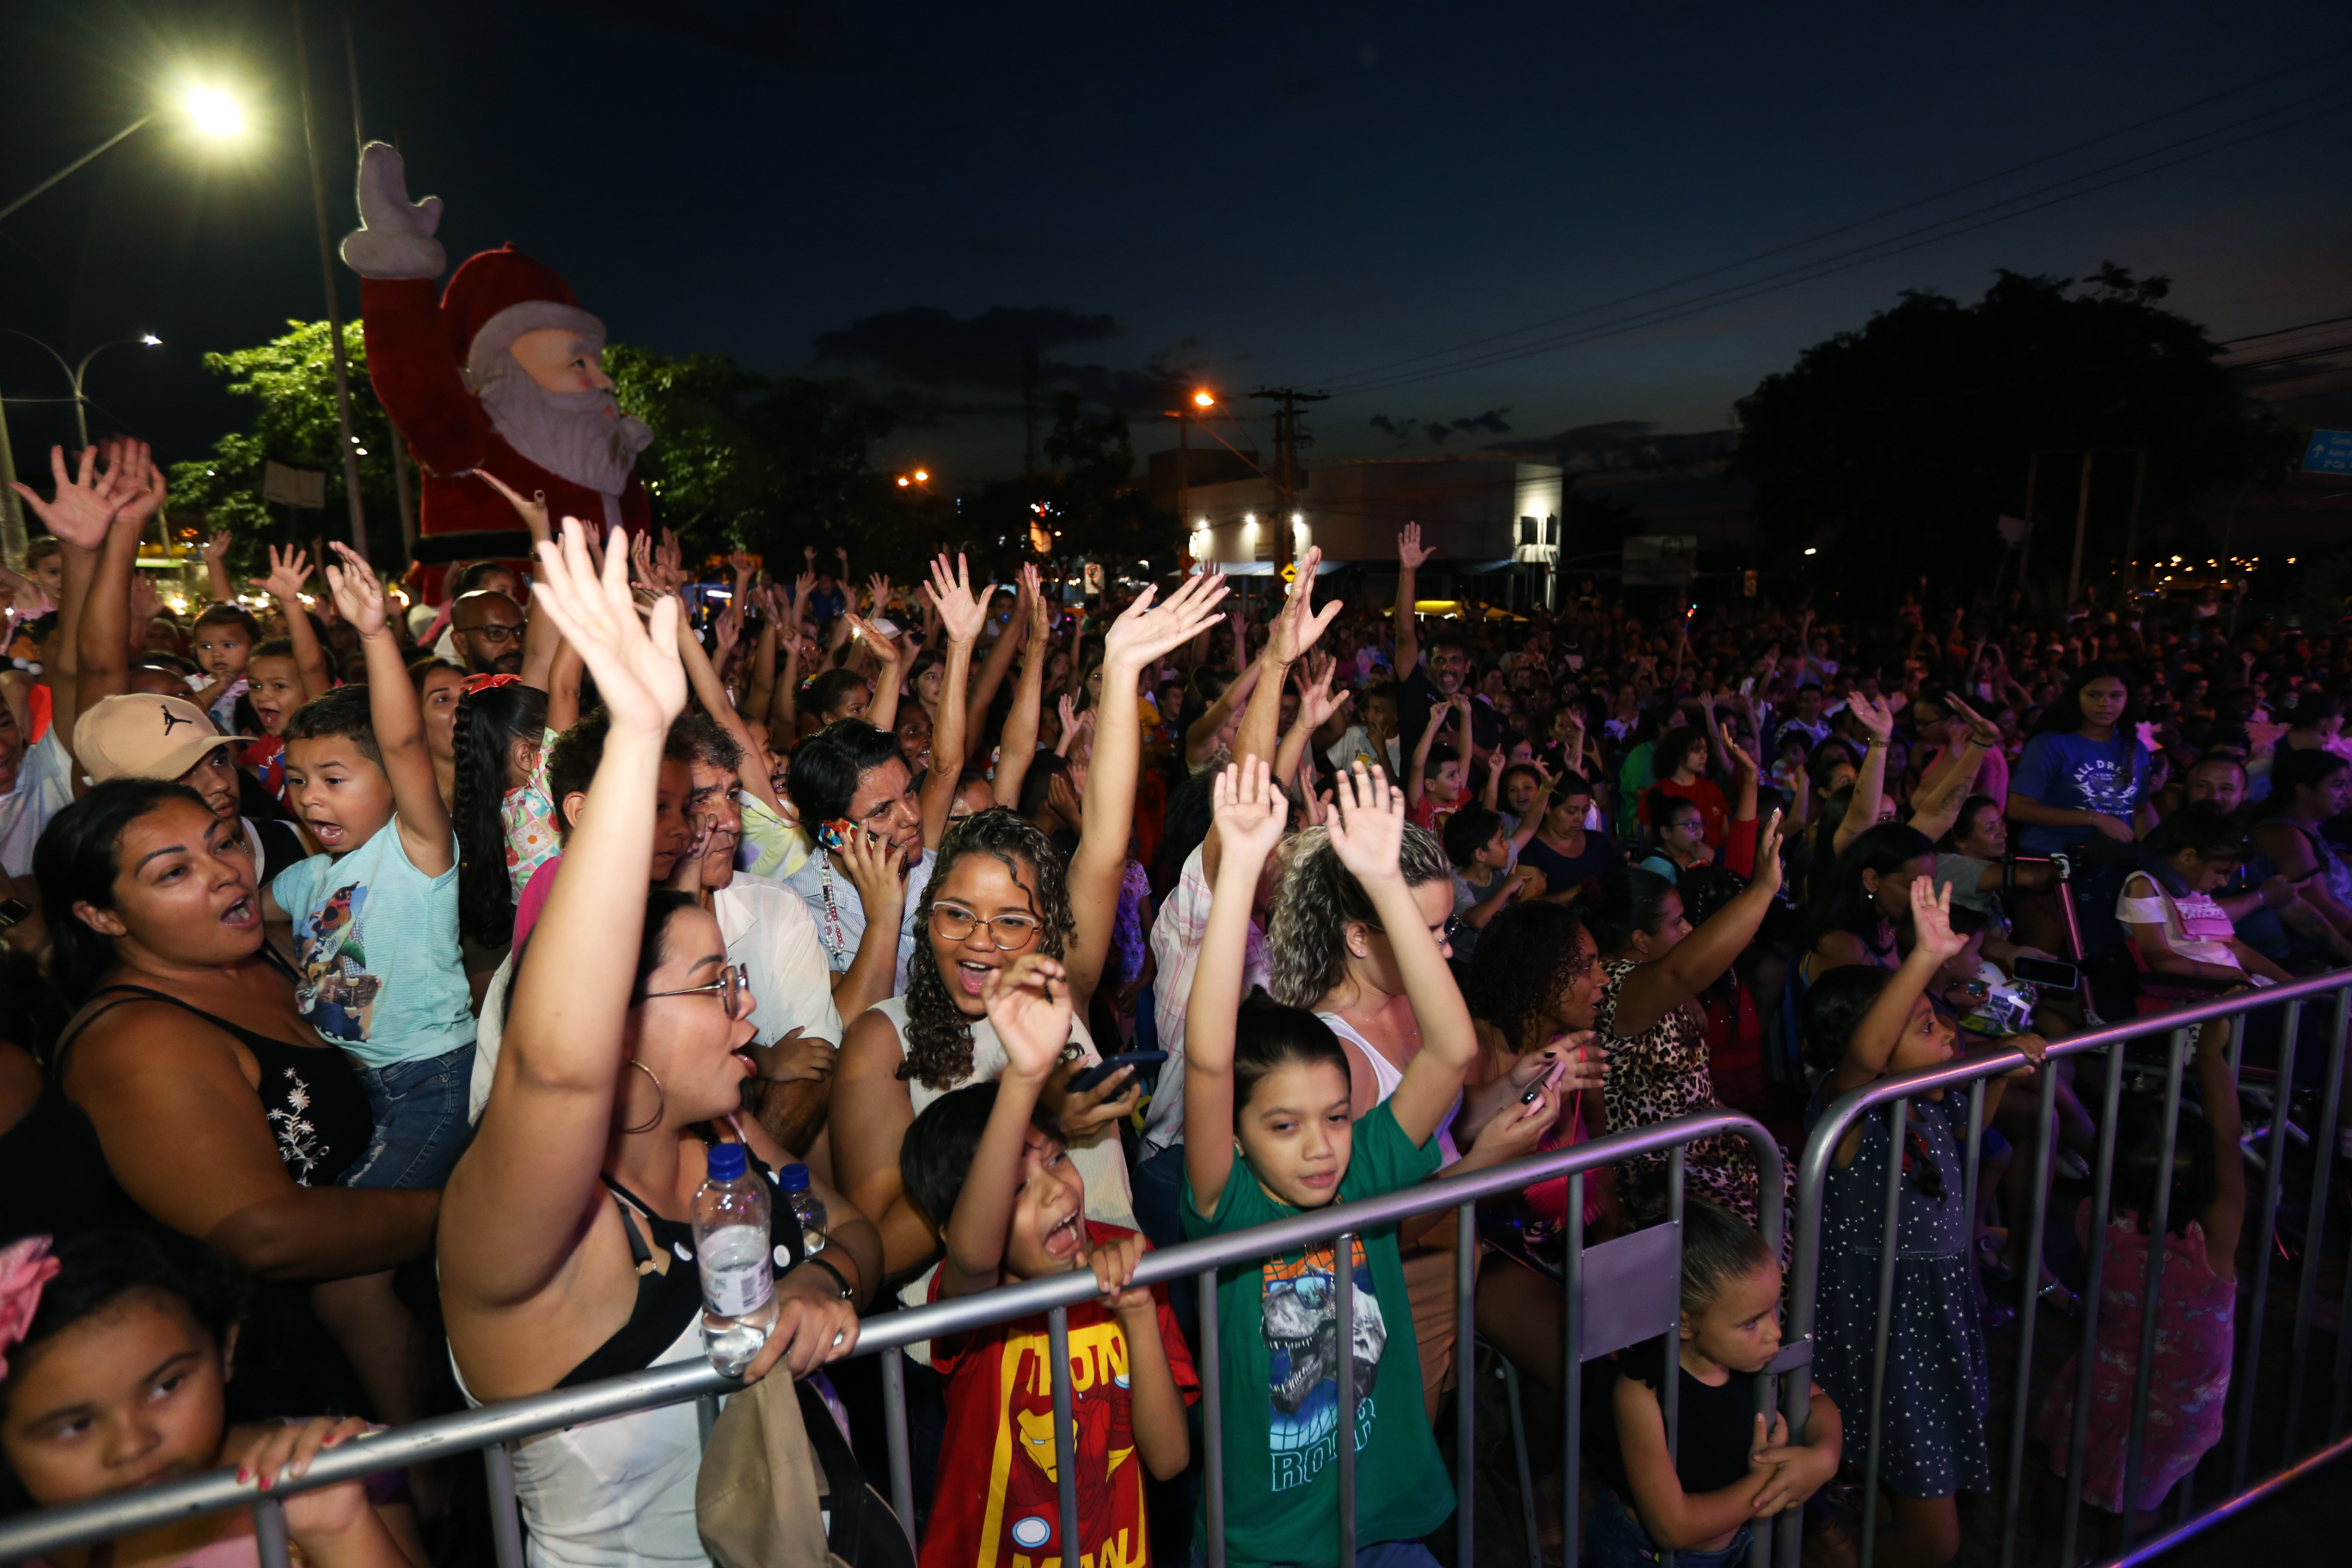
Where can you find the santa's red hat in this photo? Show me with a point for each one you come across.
(496, 296)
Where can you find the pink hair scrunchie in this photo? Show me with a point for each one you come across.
(25, 1267)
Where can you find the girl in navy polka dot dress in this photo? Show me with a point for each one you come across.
(1867, 1024)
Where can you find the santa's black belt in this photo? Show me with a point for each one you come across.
(483, 544)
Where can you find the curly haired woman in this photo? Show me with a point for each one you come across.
(998, 889)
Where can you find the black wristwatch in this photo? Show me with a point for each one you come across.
(838, 1278)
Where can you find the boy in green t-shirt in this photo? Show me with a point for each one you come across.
(1279, 1077)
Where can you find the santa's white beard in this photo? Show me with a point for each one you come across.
(578, 436)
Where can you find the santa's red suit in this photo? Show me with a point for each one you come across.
(432, 359)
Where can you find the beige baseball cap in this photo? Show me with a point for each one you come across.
(143, 736)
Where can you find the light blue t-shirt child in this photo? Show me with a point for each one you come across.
(376, 950)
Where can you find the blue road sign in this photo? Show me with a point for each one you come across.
(2330, 452)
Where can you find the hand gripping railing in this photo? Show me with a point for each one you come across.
(1971, 1073)
(442, 1436)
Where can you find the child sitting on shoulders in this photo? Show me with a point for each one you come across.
(1277, 1077)
(108, 1338)
(1728, 1467)
(1016, 1210)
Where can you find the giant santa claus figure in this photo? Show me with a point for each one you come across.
(504, 375)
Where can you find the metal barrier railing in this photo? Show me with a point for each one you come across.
(1642, 1302)
(1972, 1074)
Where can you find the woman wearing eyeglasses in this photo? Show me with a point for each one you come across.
(998, 889)
(566, 1253)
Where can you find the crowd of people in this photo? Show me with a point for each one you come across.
(383, 969)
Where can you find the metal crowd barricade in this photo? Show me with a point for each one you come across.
(1652, 1262)
(1970, 1074)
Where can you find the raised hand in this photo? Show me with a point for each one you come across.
(1297, 626)
(1028, 1002)
(1367, 823)
(215, 549)
(1068, 713)
(1746, 764)
(138, 483)
(1931, 920)
(533, 512)
(287, 573)
(1317, 705)
(1409, 550)
(85, 501)
(961, 611)
(1248, 810)
(1873, 715)
(1767, 852)
(635, 663)
(359, 597)
(1040, 613)
(1145, 631)
(1982, 730)
(878, 591)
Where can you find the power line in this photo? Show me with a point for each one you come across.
(1877, 250)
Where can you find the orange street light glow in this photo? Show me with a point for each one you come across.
(921, 476)
(1202, 399)
(904, 481)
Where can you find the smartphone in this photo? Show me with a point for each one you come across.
(2050, 972)
(835, 834)
(1102, 1069)
(1550, 1076)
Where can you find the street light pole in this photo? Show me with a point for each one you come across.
(334, 304)
(69, 168)
(13, 541)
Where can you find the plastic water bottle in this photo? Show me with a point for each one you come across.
(732, 1250)
(807, 1207)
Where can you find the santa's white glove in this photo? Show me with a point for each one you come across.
(394, 238)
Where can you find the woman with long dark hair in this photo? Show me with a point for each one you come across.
(505, 823)
(2083, 771)
(1865, 915)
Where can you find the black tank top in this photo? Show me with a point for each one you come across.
(667, 1302)
(311, 1095)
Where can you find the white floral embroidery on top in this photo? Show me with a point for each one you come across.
(297, 1137)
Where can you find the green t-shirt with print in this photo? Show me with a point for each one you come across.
(1277, 1330)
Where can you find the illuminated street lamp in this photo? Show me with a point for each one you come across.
(11, 521)
(214, 116)
(1203, 400)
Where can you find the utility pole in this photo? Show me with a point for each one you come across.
(399, 453)
(1029, 408)
(334, 304)
(2082, 523)
(1285, 447)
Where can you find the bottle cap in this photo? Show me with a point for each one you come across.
(725, 1162)
(793, 1178)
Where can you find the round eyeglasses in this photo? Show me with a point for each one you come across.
(1007, 933)
(732, 987)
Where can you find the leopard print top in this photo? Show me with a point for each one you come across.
(1662, 1073)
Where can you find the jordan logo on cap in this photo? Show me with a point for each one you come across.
(171, 719)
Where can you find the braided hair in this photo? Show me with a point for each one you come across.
(939, 1036)
(487, 724)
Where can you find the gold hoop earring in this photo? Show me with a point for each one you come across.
(661, 1098)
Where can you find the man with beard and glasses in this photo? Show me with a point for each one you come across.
(503, 378)
(485, 630)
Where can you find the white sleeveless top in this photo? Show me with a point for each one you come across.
(1387, 1074)
(616, 1492)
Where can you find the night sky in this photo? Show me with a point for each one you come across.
(1336, 198)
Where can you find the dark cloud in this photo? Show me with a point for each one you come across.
(794, 33)
(1438, 432)
(927, 351)
(927, 346)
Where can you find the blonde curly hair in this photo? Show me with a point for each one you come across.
(1307, 938)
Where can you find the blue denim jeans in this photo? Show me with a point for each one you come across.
(1615, 1539)
(420, 1122)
